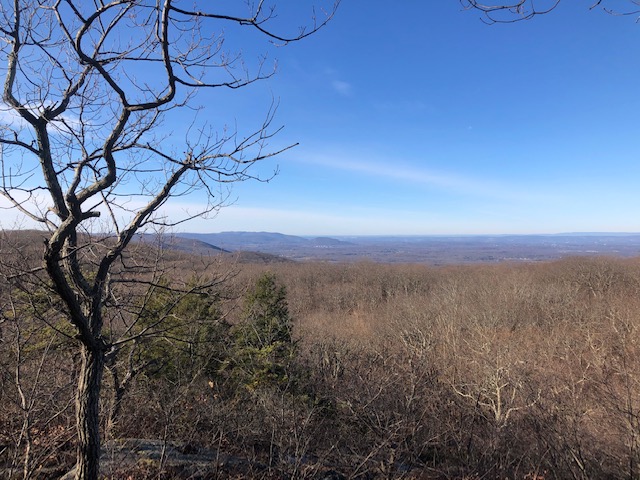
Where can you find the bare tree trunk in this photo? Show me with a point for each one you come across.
(115, 407)
(113, 413)
(87, 413)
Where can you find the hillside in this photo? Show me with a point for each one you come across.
(316, 370)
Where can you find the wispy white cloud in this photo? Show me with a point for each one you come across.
(342, 87)
(10, 119)
(123, 210)
(392, 169)
(412, 106)
(12, 218)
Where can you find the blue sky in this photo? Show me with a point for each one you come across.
(417, 118)
(421, 119)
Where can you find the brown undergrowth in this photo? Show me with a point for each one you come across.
(525, 371)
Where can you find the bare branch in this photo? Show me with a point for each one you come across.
(87, 86)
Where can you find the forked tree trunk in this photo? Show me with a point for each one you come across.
(87, 414)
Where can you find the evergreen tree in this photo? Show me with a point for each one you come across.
(264, 346)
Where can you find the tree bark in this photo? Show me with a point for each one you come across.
(88, 413)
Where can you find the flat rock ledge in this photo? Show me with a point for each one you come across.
(129, 452)
(193, 462)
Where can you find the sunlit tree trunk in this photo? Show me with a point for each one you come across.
(87, 413)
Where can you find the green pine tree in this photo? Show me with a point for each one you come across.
(264, 347)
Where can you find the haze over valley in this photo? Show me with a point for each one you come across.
(432, 250)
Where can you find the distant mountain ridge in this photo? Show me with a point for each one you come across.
(427, 249)
(243, 240)
(195, 246)
(269, 247)
(192, 245)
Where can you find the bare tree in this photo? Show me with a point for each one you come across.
(87, 87)
(509, 11)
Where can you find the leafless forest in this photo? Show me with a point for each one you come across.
(318, 370)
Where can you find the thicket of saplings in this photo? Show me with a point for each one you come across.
(313, 370)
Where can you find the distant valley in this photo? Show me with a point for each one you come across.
(433, 250)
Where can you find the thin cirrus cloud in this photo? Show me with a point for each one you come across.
(10, 119)
(391, 170)
(303, 222)
(342, 87)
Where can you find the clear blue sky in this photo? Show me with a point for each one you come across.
(421, 119)
(415, 117)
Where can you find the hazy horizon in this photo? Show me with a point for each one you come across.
(316, 235)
